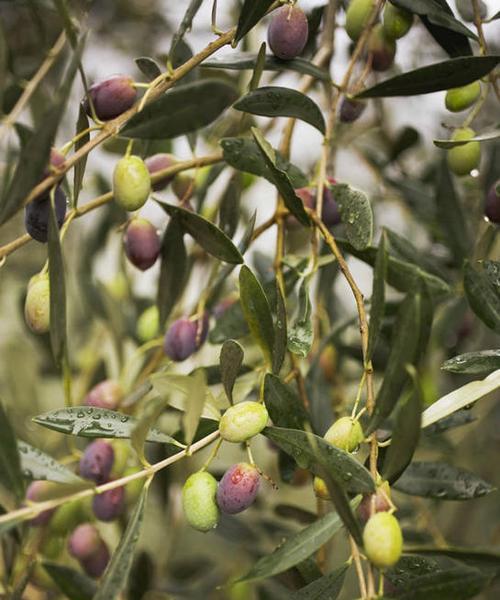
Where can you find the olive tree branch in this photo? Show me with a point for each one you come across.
(75, 213)
(113, 127)
(33, 83)
(35, 509)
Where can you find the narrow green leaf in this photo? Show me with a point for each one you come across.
(251, 13)
(244, 154)
(208, 235)
(240, 61)
(419, 577)
(275, 101)
(300, 334)
(194, 408)
(148, 66)
(79, 169)
(356, 214)
(484, 560)
(314, 453)
(260, 65)
(378, 296)
(35, 464)
(257, 312)
(72, 583)
(460, 398)
(451, 215)
(481, 137)
(405, 435)
(230, 205)
(4, 56)
(91, 422)
(151, 410)
(401, 274)
(280, 179)
(10, 464)
(441, 481)
(437, 12)
(296, 548)
(283, 404)
(404, 346)
(35, 154)
(185, 25)
(173, 270)
(57, 289)
(483, 297)
(280, 332)
(452, 73)
(115, 577)
(473, 363)
(343, 507)
(327, 587)
(231, 359)
(181, 110)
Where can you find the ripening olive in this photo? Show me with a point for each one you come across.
(345, 433)
(397, 21)
(38, 491)
(142, 243)
(357, 17)
(84, 541)
(383, 540)
(242, 421)
(288, 31)
(37, 214)
(111, 97)
(97, 461)
(458, 99)
(382, 502)
(381, 48)
(462, 159)
(320, 488)
(37, 304)
(492, 205)
(158, 162)
(131, 183)
(95, 565)
(184, 337)
(198, 501)
(109, 505)
(106, 394)
(238, 488)
(69, 515)
(350, 110)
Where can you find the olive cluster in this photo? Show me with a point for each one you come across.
(75, 525)
(382, 537)
(203, 498)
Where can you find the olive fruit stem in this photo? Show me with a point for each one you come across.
(36, 508)
(213, 455)
(356, 558)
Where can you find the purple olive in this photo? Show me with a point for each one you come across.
(109, 505)
(329, 212)
(183, 338)
(492, 206)
(37, 212)
(158, 162)
(382, 502)
(38, 491)
(97, 461)
(351, 110)
(238, 488)
(107, 394)
(84, 541)
(288, 31)
(111, 97)
(142, 243)
(382, 49)
(95, 565)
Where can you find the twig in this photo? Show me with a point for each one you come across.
(44, 68)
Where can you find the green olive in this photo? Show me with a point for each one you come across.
(357, 17)
(199, 503)
(346, 434)
(397, 21)
(37, 304)
(458, 99)
(383, 540)
(131, 183)
(242, 421)
(462, 159)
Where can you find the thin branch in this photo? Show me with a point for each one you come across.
(35, 509)
(44, 68)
